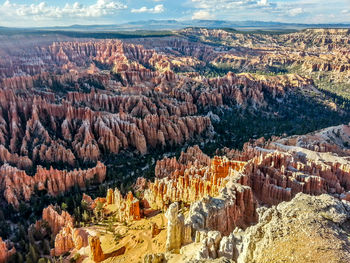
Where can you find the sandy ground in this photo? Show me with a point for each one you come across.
(136, 237)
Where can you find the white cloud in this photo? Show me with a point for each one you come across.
(265, 10)
(295, 11)
(263, 3)
(42, 11)
(202, 15)
(345, 11)
(155, 10)
(229, 4)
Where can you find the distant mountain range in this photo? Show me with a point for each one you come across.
(176, 24)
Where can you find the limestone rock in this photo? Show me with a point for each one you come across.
(178, 233)
(310, 227)
(209, 246)
(227, 247)
(234, 207)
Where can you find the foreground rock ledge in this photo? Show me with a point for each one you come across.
(305, 229)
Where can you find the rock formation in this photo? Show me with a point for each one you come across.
(5, 252)
(55, 220)
(65, 235)
(96, 250)
(320, 219)
(154, 258)
(210, 243)
(127, 208)
(234, 207)
(97, 254)
(315, 50)
(69, 238)
(178, 233)
(305, 229)
(67, 107)
(17, 185)
(264, 173)
(189, 180)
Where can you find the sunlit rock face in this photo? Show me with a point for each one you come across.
(128, 207)
(283, 172)
(96, 252)
(268, 174)
(69, 238)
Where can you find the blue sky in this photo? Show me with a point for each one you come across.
(67, 12)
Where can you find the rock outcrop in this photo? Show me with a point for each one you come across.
(5, 252)
(311, 228)
(65, 235)
(189, 180)
(97, 254)
(55, 220)
(210, 242)
(127, 208)
(264, 173)
(234, 207)
(69, 238)
(178, 233)
(305, 229)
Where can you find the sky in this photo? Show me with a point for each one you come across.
(36, 13)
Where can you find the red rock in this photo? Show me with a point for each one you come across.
(128, 208)
(97, 255)
(69, 238)
(155, 230)
(17, 185)
(55, 220)
(189, 179)
(5, 252)
(91, 204)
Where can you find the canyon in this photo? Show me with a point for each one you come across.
(207, 144)
(215, 207)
